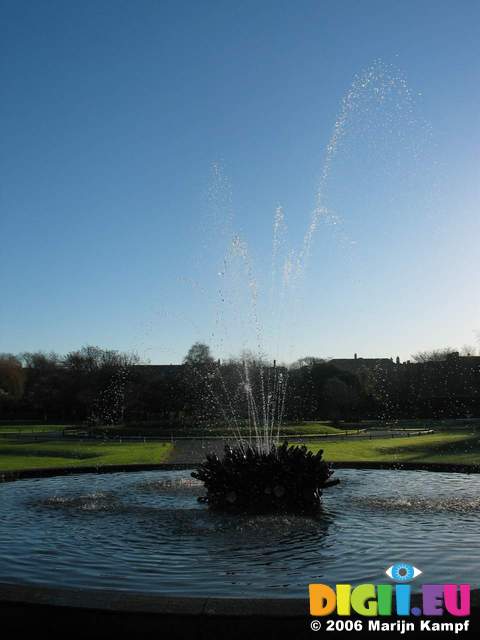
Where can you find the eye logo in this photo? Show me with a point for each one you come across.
(402, 572)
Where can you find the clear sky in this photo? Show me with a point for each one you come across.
(113, 223)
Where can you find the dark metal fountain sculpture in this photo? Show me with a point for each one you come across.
(282, 479)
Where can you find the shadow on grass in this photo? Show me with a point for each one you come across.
(46, 453)
(470, 444)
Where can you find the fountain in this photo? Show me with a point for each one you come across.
(256, 472)
(111, 535)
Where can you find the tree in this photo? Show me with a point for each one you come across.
(200, 398)
(12, 376)
(340, 397)
(198, 354)
(40, 360)
(468, 350)
(436, 355)
(45, 384)
(98, 379)
(90, 359)
(307, 361)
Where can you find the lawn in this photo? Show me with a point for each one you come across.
(148, 429)
(448, 447)
(14, 456)
(314, 428)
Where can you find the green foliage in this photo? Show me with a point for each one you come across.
(12, 377)
(282, 479)
(198, 354)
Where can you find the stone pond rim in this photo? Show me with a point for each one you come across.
(53, 610)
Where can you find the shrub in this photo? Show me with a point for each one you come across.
(283, 479)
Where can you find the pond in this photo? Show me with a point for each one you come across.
(145, 532)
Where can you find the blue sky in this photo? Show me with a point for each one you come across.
(113, 230)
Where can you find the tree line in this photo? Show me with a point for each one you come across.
(98, 386)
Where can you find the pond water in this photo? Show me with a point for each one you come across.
(146, 532)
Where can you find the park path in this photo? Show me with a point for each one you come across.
(194, 451)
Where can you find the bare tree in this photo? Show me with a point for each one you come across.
(436, 355)
(468, 350)
(306, 361)
(90, 359)
(40, 360)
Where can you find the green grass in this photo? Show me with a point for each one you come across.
(301, 428)
(311, 428)
(451, 424)
(14, 456)
(449, 447)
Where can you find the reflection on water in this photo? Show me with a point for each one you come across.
(90, 502)
(146, 532)
(410, 504)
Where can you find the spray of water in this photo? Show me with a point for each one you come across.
(251, 403)
(254, 409)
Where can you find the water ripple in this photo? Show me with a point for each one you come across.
(146, 532)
